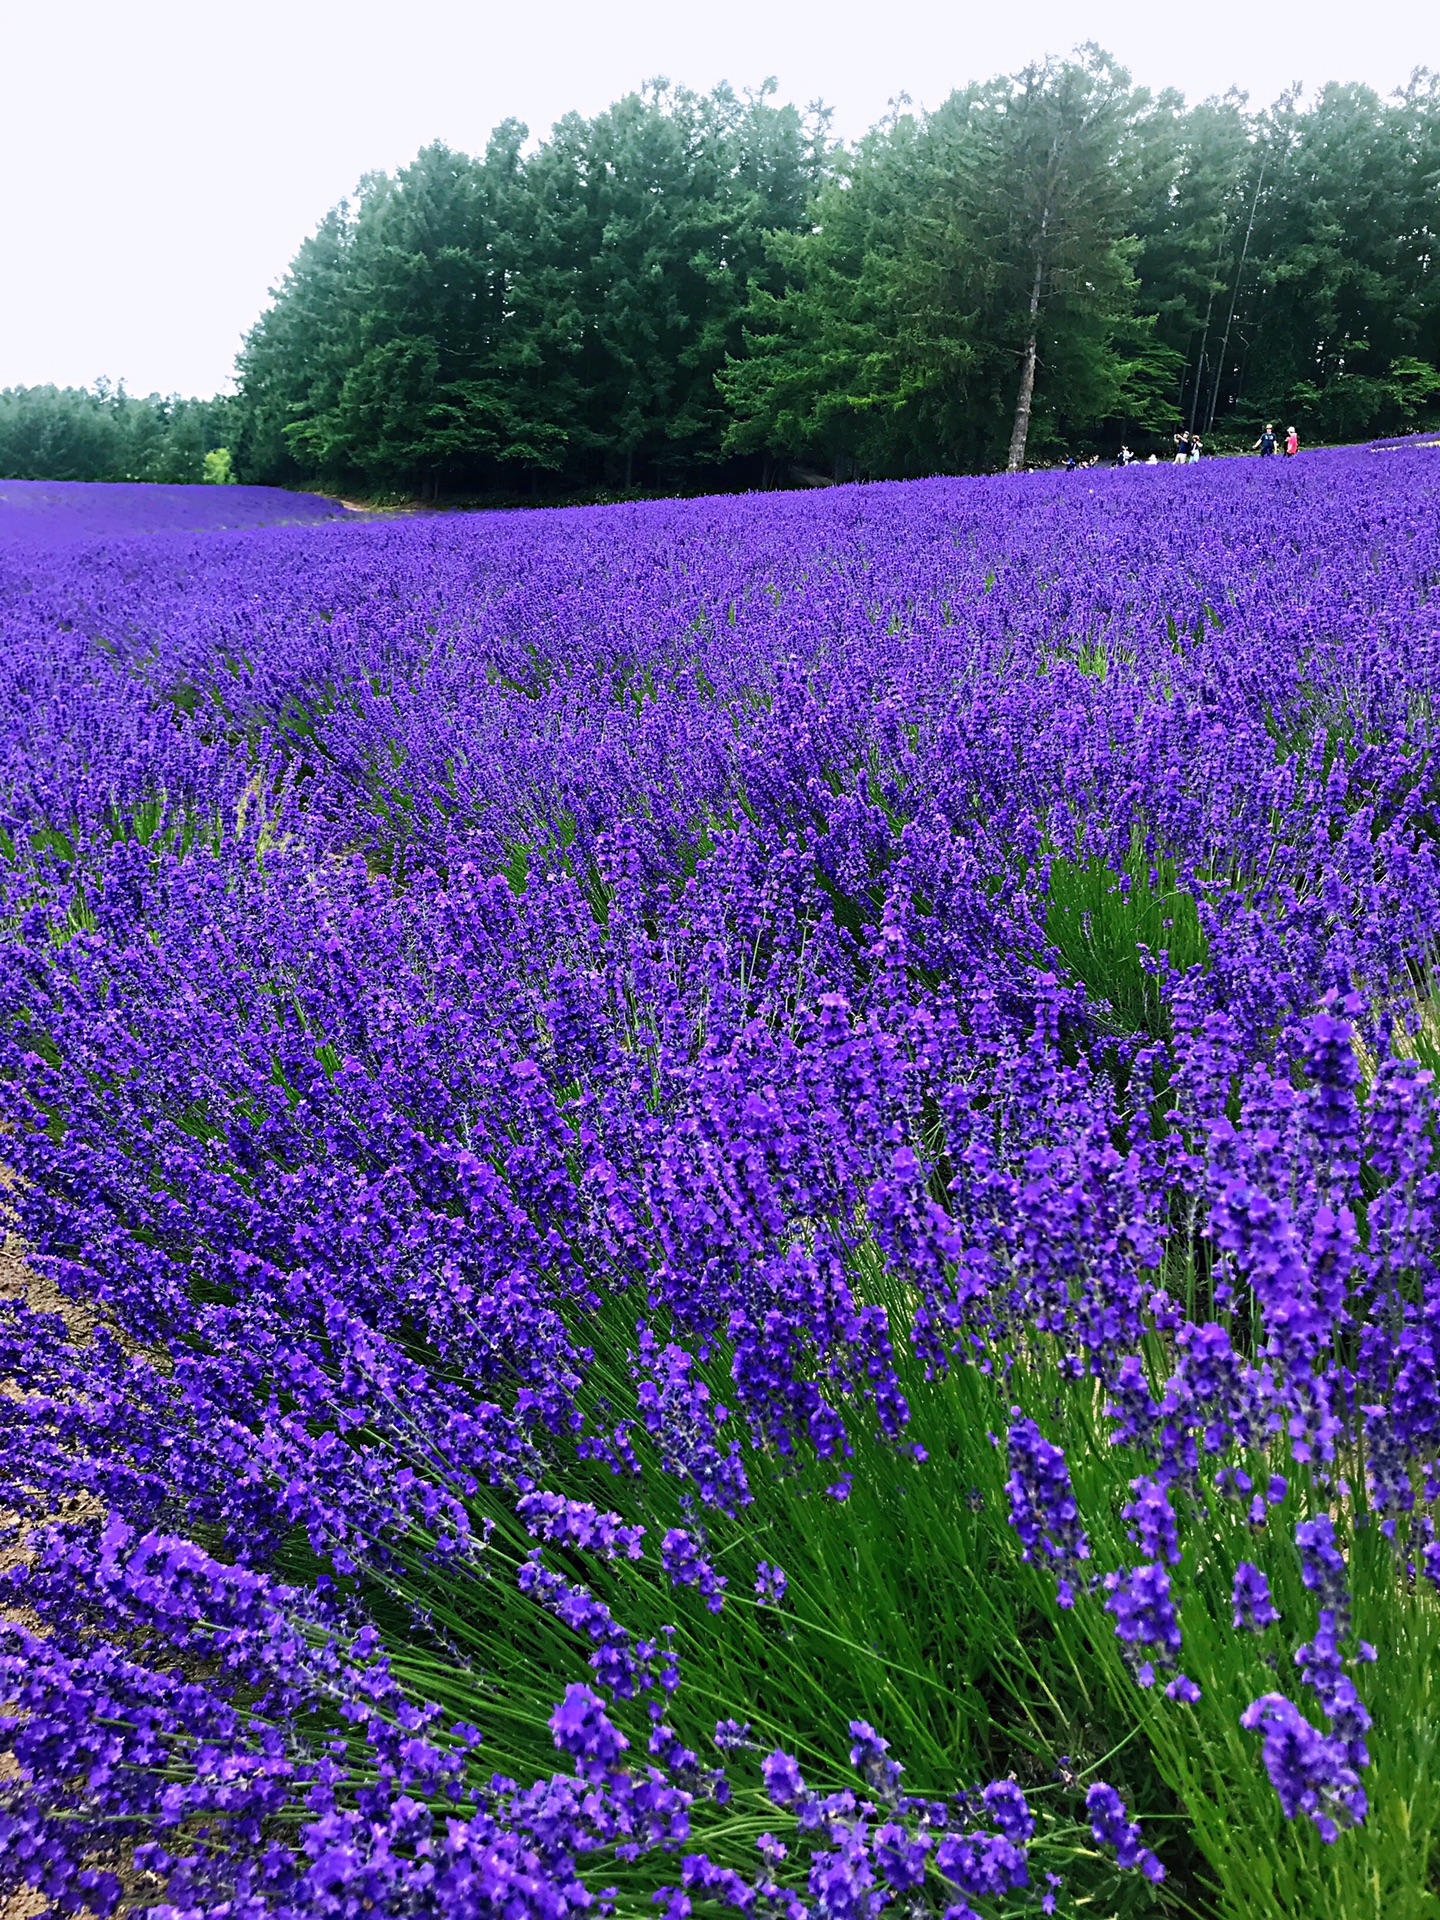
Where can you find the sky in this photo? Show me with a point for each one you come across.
(162, 160)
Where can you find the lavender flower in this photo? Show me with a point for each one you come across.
(549, 1516)
(867, 1753)
(1042, 1505)
(1322, 1566)
(770, 1585)
(683, 1560)
(1322, 1666)
(1152, 1522)
(1145, 1618)
(1311, 1772)
(782, 1778)
(1113, 1827)
(581, 1728)
(428, 942)
(1008, 1808)
(1254, 1608)
(982, 1863)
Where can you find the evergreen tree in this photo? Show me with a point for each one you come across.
(953, 256)
(700, 287)
(471, 321)
(104, 433)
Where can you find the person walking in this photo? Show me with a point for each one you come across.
(1266, 442)
(1292, 443)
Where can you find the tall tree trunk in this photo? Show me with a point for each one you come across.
(1020, 432)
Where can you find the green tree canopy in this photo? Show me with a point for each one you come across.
(563, 310)
(104, 433)
(703, 289)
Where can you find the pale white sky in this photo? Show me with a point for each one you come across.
(162, 159)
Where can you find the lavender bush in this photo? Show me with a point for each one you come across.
(751, 1188)
(53, 513)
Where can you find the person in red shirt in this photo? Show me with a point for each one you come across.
(1292, 442)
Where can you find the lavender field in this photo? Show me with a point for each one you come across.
(724, 1206)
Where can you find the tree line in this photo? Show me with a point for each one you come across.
(703, 290)
(104, 433)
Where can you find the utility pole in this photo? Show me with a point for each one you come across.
(1198, 394)
(1234, 296)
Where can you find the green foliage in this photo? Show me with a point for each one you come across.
(104, 433)
(906, 1605)
(566, 311)
(1287, 258)
(1152, 239)
(1115, 931)
(870, 352)
(218, 468)
(683, 279)
(909, 301)
(689, 290)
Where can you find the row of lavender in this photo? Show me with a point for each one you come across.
(566, 1054)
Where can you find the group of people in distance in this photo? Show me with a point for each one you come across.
(1267, 443)
(1188, 448)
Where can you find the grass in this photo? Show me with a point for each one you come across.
(1119, 931)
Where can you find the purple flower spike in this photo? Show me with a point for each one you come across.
(1113, 1827)
(433, 946)
(1310, 1771)
(782, 1778)
(770, 1585)
(581, 1727)
(548, 1516)
(868, 1754)
(1042, 1502)
(684, 1561)
(1009, 1809)
(1152, 1522)
(1254, 1608)
(1145, 1618)
(1322, 1566)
